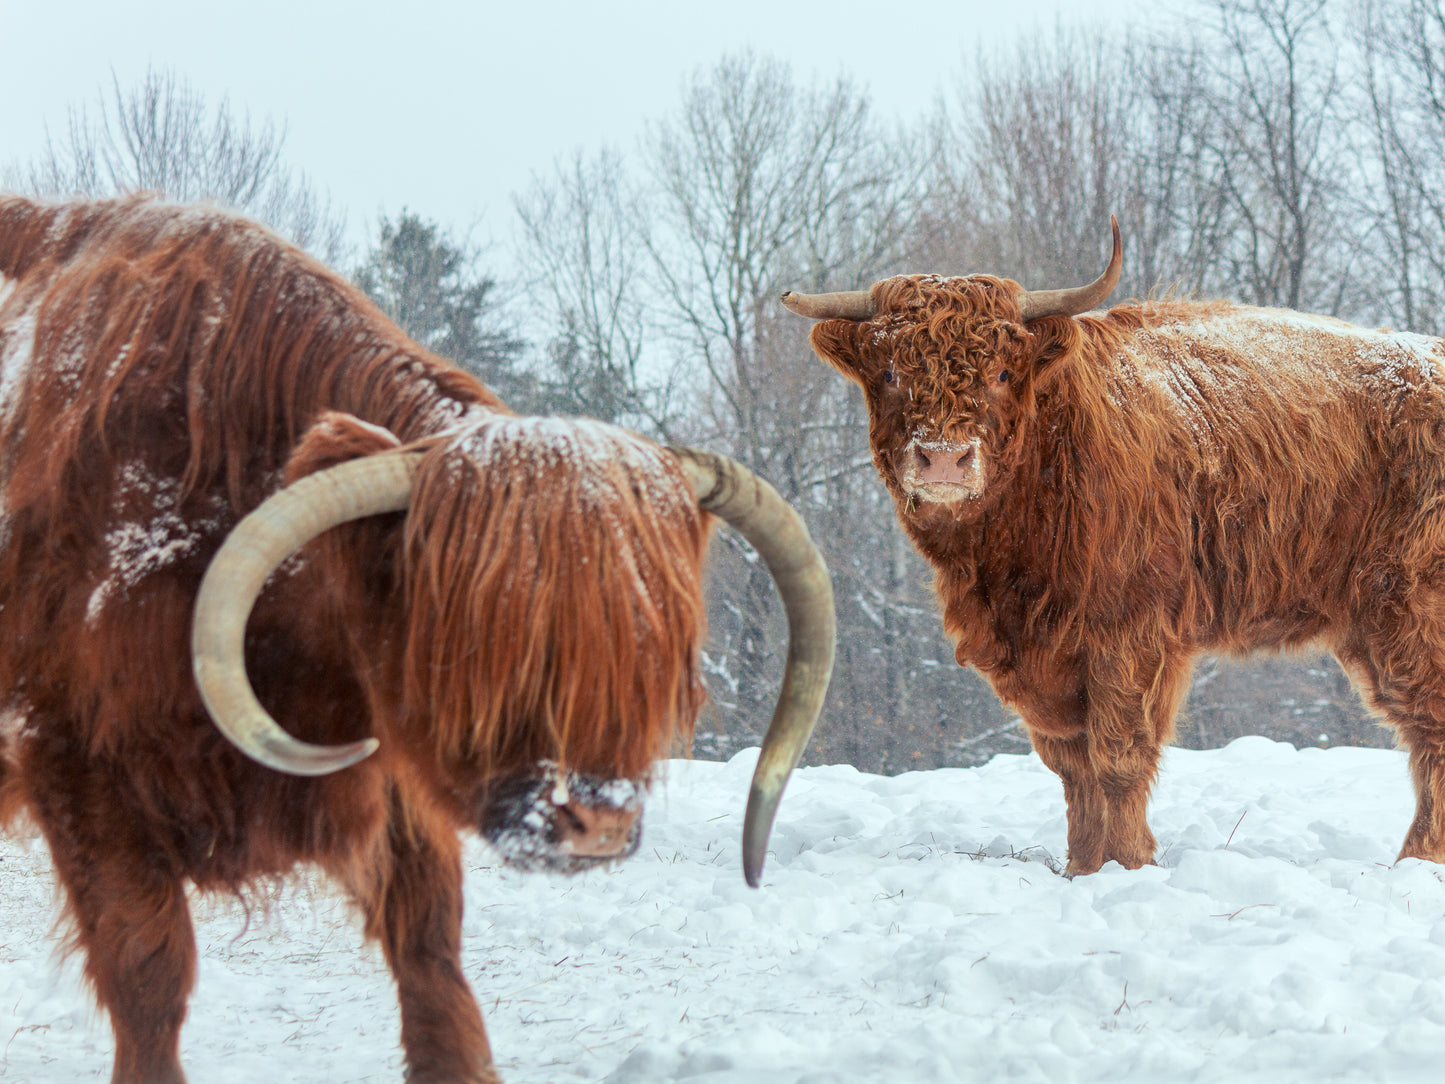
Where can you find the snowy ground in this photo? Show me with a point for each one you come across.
(900, 937)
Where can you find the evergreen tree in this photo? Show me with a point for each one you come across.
(435, 290)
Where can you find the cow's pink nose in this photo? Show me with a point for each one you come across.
(948, 464)
(593, 832)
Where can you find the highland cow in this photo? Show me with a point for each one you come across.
(1103, 497)
(219, 459)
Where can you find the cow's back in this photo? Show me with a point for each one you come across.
(1294, 457)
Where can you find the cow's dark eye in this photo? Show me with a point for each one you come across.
(1003, 376)
(890, 377)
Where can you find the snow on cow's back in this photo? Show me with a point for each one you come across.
(150, 531)
(1294, 351)
(1218, 370)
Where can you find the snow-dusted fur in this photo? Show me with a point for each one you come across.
(1161, 480)
(536, 612)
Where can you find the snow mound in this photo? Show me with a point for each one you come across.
(910, 929)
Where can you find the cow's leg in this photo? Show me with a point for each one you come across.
(1426, 837)
(415, 911)
(1086, 807)
(1130, 719)
(1054, 705)
(1404, 678)
(1395, 653)
(131, 921)
(1126, 777)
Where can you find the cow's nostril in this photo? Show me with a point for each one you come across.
(964, 459)
(595, 832)
(923, 460)
(570, 821)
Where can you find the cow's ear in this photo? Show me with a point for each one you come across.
(1053, 342)
(840, 344)
(336, 438)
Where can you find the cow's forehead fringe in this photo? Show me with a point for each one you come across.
(581, 440)
(601, 459)
(943, 332)
(920, 298)
(571, 534)
(925, 318)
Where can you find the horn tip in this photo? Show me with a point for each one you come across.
(293, 757)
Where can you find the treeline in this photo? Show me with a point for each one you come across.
(1276, 152)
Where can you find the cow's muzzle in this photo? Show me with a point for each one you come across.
(941, 471)
(563, 822)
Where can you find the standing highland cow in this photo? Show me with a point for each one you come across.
(1103, 497)
(498, 630)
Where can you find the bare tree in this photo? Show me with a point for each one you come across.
(1047, 141)
(1281, 147)
(1035, 163)
(1173, 201)
(763, 185)
(1403, 114)
(159, 135)
(583, 249)
(759, 184)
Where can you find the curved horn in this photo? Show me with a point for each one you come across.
(777, 532)
(847, 305)
(282, 524)
(1036, 303)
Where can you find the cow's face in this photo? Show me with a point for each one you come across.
(947, 370)
(555, 619)
(522, 607)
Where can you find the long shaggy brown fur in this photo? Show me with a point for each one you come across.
(524, 542)
(1165, 479)
(164, 369)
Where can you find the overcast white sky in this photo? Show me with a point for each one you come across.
(449, 107)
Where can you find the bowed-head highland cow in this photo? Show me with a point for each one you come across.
(217, 458)
(1103, 497)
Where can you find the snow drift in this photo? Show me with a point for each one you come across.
(910, 929)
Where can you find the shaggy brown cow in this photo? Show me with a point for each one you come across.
(1103, 497)
(504, 623)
